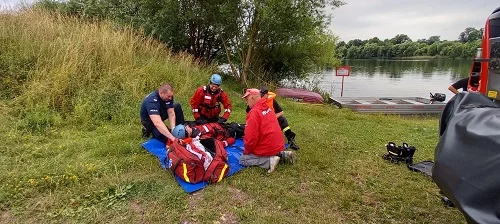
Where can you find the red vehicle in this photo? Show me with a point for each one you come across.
(486, 63)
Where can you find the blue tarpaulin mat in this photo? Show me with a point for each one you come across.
(234, 151)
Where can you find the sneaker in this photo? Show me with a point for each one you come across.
(273, 163)
(288, 156)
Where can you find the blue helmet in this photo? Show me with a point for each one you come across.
(216, 79)
(179, 131)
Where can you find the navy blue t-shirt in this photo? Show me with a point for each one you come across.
(154, 105)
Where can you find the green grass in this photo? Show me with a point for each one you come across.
(104, 175)
(70, 149)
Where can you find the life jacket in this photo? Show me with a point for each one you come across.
(189, 163)
(472, 89)
(270, 98)
(210, 106)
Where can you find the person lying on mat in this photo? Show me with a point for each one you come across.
(194, 159)
(190, 138)
(209, 130)
(156, 108)
(264, 144)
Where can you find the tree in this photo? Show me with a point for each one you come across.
(433, 39)
(370, 50)
(353, 52)
(341, 51)
(422, 41)
(282, 38)
(400, 38)
(374, 40)
(341, 44)
(470, 34)
(355, 42)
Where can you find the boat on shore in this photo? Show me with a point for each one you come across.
(390, 105)
(301, 95)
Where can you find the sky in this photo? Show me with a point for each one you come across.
(12, 3)
(364, 19)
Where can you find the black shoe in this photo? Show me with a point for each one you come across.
(446, 201)
(291, 140)
(145, 133)
(293, 145)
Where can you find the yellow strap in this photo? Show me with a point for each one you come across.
(186, 178)
(286, 129)
(222, 173)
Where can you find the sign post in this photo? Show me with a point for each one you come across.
(342, 71)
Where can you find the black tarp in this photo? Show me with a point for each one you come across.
(467, 157)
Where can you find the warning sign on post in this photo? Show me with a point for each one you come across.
(343, 71)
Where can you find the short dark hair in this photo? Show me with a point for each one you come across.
(166, 87)
(263, 91)
(474, 78)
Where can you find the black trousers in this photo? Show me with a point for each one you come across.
(149, 128)
(283, 122)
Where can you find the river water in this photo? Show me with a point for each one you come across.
(394, 78)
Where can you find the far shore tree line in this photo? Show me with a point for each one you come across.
(402, 46)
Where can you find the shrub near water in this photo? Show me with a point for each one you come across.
(84, 72)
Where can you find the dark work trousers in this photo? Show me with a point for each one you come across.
(149, 128)
(283, 122)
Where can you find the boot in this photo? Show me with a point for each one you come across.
(291, 141)
(288, 156)
(145, 133)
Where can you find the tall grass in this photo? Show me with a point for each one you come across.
(85, 72)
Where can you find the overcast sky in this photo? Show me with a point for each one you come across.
(364, 19)
(12, 3)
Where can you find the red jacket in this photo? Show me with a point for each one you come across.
(206, 104)
(263, 135)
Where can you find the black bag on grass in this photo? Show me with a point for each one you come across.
(235, 130)
(467, 157)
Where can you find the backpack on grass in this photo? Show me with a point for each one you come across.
(193, 165)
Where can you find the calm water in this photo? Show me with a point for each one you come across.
(395, 78)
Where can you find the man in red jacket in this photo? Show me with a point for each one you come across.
(206, 100)
(263, 141)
